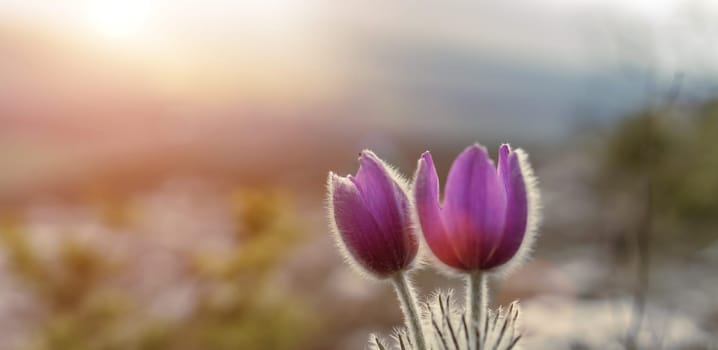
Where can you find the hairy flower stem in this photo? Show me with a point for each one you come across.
(475, 306)
(405, 292)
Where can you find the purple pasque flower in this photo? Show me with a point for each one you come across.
(488, 215)
(371, 216)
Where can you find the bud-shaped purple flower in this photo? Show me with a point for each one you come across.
(488, 215)
(371, 216)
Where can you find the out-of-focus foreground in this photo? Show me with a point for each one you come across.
(162, 165)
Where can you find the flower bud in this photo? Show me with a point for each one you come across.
(488, 216)
(371, 216)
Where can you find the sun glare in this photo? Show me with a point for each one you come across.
(115, 19)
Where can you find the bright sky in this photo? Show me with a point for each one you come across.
(142, 20)
(301, 47)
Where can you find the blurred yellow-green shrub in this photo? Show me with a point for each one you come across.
(85, 297)
(673, 153)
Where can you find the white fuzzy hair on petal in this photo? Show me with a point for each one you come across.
(534, 216)
(334, 229)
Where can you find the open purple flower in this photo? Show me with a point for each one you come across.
(488, 215)
(371, 216)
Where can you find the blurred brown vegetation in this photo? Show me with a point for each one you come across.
(83, 299)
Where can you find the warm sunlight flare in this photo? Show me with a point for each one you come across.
(114, 19)
(268, 13)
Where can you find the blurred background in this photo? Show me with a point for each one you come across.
(162, 164)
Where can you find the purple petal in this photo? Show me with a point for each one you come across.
(516, 211)
(358, 229)
(380, 193)
(474, 205)
(387, 202)
(426, 196)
